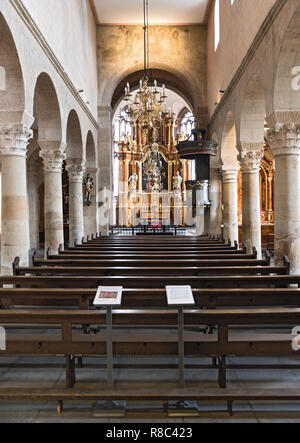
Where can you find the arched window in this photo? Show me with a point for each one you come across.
(122, 126)
(186, 124)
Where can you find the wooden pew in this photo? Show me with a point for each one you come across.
(180, 263)
(225, 343)
(153, 248)
(150, 298)
(150, 282)
(108, 272)
(145, 254)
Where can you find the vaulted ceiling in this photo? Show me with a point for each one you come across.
(160, 11)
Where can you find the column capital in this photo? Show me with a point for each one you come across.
(76, 172)
(14, 139)
(250, 157)
(53, 159)
(285, 132)
(230, 175)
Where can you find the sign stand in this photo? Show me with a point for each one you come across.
(109, 297)
(181, 297)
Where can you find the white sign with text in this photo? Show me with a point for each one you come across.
(180, 296)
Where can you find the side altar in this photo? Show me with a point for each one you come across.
(152, 176)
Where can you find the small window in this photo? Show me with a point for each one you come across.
(217, 24)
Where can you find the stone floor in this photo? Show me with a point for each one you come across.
(15, 372)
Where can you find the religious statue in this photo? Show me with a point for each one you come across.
(132, 182)
(89, 185)
(177, 182)
(153, 172)
(132, 185)
(155, 180)
(128, 139)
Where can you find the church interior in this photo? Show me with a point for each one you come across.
(150, 211)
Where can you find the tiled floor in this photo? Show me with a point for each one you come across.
(18, 375)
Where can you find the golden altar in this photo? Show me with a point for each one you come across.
(152, 178)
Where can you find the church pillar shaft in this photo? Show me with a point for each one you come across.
(76, 227)
(216, 206)
(34, 208)
(15, 226)
(105, 169)
(286, 143)
(230, 205)
(251, 229)
(54, 229)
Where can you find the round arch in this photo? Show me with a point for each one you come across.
(171, 81)
(74, 151)
(47, 111)
(90, 213)
(90, 151)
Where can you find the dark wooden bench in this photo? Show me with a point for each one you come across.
(226, 342)
(150, 298)
(152, 271)
(207, 268)
(153, 248)
(156, 282)
(136, 263)
(146, 255)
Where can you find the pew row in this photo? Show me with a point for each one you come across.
(150, 298)
(150, 282)
(226, 342)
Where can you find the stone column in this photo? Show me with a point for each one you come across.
(216, 204)
(54, 226)
(105, 168)
(76, 227)
(231, 230)
(250, 158)
(15, 227)
(286, 148)
(33, 206)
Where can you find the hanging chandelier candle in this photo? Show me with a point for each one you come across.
(149, 108)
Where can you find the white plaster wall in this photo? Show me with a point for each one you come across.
(70, 30)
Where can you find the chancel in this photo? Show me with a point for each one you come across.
(149, 148)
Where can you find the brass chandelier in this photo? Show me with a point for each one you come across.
(149, 108)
